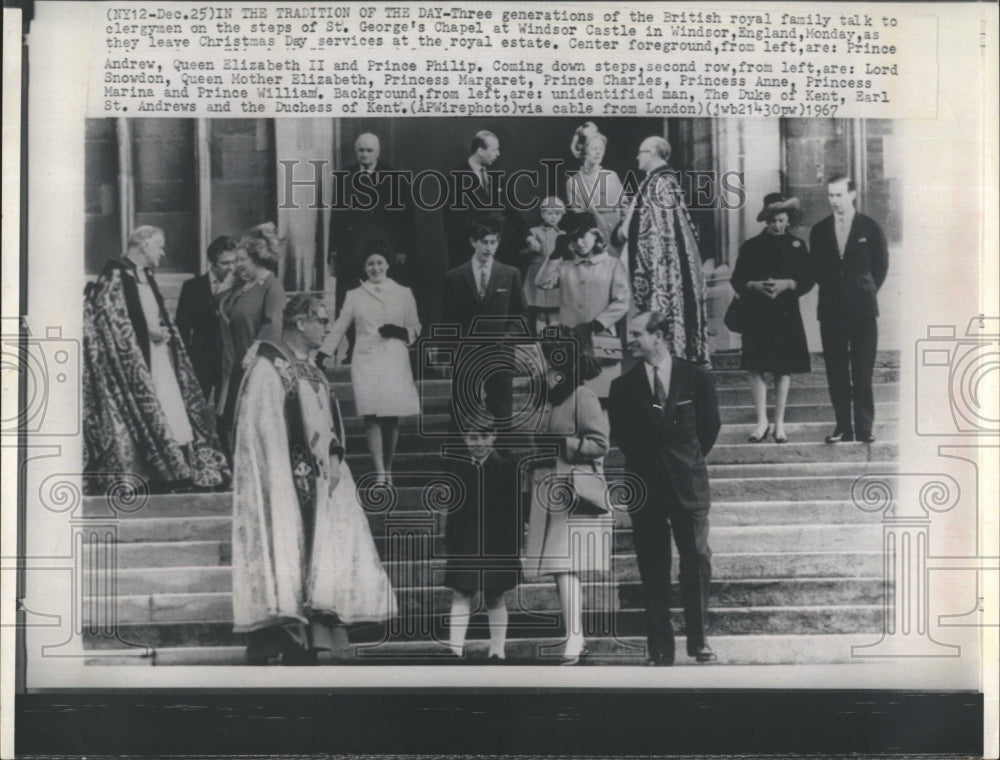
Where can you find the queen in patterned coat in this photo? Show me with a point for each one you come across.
(384, 314)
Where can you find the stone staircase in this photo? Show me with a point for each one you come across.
(796, 565)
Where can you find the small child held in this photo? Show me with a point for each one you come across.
(543, 305)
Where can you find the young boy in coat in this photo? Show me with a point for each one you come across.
(483, 540)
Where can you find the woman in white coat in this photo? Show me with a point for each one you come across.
(384, 315)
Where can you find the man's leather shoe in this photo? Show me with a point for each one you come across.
(866, 438)
(704, 653)
(660, 661)
(840, 436)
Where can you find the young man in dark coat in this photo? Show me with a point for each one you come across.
(487, 295)
(850, 262)
(198, 321)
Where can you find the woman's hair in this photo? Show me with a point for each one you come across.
(579, 225)
(584, 134)
(573, 361)
(263, 246)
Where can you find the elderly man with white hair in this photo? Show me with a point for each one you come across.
(144, 411)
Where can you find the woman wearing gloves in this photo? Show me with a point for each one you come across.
(384, 314)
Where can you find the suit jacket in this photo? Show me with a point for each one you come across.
(362, 214)
(504, 298)
(849, 285)
(667, 449)
(198, 324)
(475, 203)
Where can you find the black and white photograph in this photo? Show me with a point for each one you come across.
(442, 351)
(610, 254)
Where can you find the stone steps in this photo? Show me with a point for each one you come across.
(729, 395)
(215, 527)
(796, 565)
(758, 566)
(726, 453)
(143, 552)
(528, 598)
(721, 621)
(781, 483)
(724, 364)
(437, 424)
(741, 411)
(745, 649)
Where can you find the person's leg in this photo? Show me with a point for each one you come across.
(651, 535)
(833, 333)
(390, 438)
(496, 613)
(758, 390)
(781, 386)
(458, 621)
(864, 345)
(373, 434)
(690, 529)
(571, 604)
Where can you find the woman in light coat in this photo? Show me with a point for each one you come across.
(561, 542)
(384, 314)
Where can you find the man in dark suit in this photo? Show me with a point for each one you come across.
(476, 189)
(373, 203)
(197, 320)
(487, 292)
(664, 417)
(850, 261)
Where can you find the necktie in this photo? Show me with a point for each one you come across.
(659, 392)
(482, 283)
(483, 178)
(841, 235)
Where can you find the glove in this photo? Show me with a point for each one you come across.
(584, 333)
(394, 331)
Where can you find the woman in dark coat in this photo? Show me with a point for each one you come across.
(483, 540)
(771, 274)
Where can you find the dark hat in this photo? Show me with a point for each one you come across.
(579, 224)
(775, 203)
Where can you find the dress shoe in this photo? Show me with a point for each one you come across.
(494, 659)
(754, 438)
(704, 653)
(299, 656)
(866, 438)
(660, 661)
(839, 436)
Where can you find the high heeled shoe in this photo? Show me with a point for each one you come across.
(754, 438)
(578, 659)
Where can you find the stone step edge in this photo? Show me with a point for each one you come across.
(720, 610)
(476, 646)
(526, 584)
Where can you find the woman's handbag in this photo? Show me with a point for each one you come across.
(590, 491)
(736, 315)
(607, 348)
